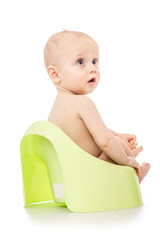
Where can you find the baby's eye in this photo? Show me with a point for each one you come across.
(95, 61)
(80, 61)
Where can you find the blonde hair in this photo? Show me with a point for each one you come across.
(54, 44)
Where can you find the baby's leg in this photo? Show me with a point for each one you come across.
(125, 147)
(143, 169)
(104, 157)
(131, 153)
(136, 151)
(127, 150)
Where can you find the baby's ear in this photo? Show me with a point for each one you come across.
(53, 74)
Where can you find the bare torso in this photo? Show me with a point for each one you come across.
(66, 116)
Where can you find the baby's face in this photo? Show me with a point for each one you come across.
(78, 66)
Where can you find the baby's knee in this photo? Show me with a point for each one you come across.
(102, 156)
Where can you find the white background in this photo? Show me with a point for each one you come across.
(128, 34)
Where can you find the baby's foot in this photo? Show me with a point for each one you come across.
(144, 168)
(136, 151)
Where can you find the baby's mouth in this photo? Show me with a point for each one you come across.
(92, 80)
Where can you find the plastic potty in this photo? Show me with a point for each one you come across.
(56, 169)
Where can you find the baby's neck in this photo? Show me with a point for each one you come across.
(64, 90)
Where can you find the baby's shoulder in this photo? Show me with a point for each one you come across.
(82, 102)
(82, 99)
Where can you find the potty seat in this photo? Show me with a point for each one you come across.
(55, 169)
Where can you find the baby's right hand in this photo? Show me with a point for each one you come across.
(129, 139)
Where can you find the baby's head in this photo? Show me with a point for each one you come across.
(71, 59)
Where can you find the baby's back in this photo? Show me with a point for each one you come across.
(65, 114)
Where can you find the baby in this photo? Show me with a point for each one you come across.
(71, 59)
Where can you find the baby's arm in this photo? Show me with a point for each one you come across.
(102, 136)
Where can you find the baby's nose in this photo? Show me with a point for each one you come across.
(92, 69)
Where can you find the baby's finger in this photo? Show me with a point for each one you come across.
(132, 138)
(131, 142)
(130, 145)
(133, 145)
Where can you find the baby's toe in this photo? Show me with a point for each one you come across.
(146, 164)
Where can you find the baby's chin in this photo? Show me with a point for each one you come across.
(91, 88)
(85, 91)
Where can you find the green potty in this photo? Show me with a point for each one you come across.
(56, 169)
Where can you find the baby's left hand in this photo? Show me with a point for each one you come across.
(129, 139)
